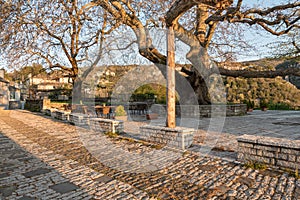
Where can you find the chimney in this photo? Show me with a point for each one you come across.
(2, 73)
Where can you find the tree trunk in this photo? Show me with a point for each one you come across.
(200, 72)
(199, 85)
(77, 91)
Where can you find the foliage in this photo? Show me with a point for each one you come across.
(150, 91)
(23, 73)
(263, 103)
(120, 111)
(249, 103)
(275, 91)
(279, 106)
(256, 165)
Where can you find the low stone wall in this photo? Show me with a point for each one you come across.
(37, 105)
(178, 137)
(203, 110)
(62, 115)
(282, 153)
(79, 119)
(106, 125)
(14, 105)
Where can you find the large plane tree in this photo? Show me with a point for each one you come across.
(195, 22)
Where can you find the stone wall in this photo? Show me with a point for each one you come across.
(62, 115)
(178, 137)
(203, 110)
(282, 153)
(79, 119)
(37, 105)
(14, 105)
(106, 125)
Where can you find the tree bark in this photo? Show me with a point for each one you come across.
(171, 123)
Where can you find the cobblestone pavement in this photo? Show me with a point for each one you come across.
(280, 124)
(42, 158)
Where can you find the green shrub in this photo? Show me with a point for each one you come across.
(120, 111)
(263, 103)
(279, 106)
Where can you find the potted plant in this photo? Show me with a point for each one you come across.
(120, 113)
(263, 105)
(151, 116)
(250, 105)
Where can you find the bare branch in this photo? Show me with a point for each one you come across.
(181, 6)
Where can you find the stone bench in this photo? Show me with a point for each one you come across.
(178, 137)
(106, 125)
(62, 115)
(282, 153)
(79, 119)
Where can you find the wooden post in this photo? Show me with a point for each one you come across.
(171, 123)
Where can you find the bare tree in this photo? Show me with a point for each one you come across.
(208, 16)
(57, 34)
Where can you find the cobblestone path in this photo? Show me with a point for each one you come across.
(41, 158)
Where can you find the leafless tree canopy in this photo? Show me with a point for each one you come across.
(58, 34)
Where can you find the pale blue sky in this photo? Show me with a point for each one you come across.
(264, 38)
(257, 40)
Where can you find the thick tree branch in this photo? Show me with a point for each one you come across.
(179, 7)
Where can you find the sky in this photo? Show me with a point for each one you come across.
(258, 40)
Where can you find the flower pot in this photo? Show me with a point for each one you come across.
(122, 118)
(250, 110)
(264, 109)
(152, 116)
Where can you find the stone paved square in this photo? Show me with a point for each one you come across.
(57, 160)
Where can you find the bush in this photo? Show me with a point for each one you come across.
(279, 106)
(120, 111)
(263, 104)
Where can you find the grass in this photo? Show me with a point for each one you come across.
(256, 165)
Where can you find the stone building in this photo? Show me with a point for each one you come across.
(9, 93)
(4, 91)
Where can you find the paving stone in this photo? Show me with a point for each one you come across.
(3, 175)
(27, 198)
(63, 188)
(36, 172)
(76, 174)
(104, 179)
(7, 190)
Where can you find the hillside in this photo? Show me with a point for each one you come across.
(274, 91)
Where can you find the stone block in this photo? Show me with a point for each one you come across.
(247, 139)
(245, 144)
(290, 151)
(292, 158)
(285, 164)
(269, 154)
(178, 137)
(261, 159)
(248, 150)
(259, 152)
(282, 156)
(267, 148)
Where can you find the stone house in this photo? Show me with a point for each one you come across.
(42, 86)
(9, 93)
(4, 91)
